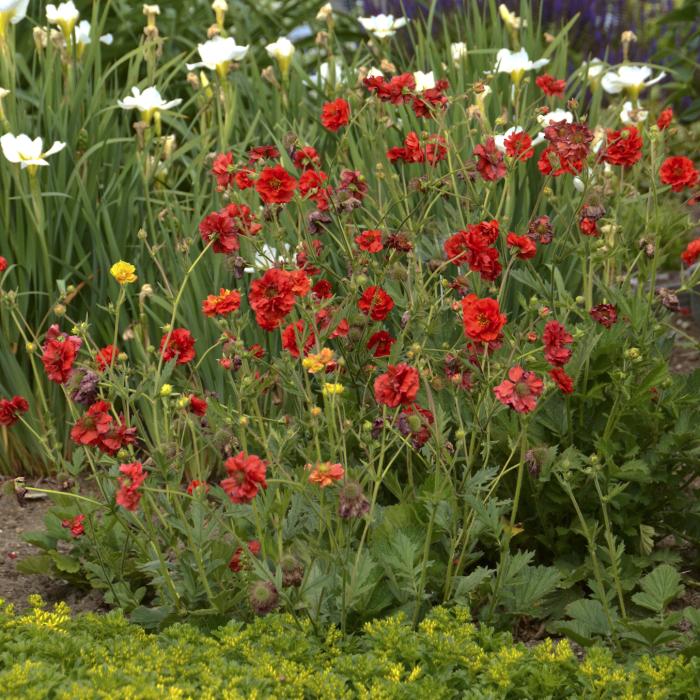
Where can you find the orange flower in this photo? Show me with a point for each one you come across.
(325, 473)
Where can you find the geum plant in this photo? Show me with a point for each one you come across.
(412, 356)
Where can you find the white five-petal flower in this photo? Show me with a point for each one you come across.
(556, 115)
(424, 81)
(458, 51)
(633, 115)
(83, 35)
(27, 152)
(517, 63)
(282, 51)
(147, 102)
(65, 16)
(382, 26)
(217, 54)
(632, 79)
(12, 12)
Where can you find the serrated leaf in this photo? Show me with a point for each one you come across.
(37, 564)
(659, 588)
(469, 583)
(65, 563)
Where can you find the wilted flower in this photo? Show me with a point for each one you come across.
(27, 152)
(123, 272)
(325, 13)
(220, 8)
(517, 63)
(263, 597)
(510, 19)
(149, 103)
(382, 26)
(352, 502)
(632, 79)
(86, 393)
(292, 571)
(218, 53)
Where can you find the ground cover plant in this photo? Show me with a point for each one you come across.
(354, 330)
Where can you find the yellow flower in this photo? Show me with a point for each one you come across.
(123, 272)
(166, 390)
(316, 362)
(333, 389)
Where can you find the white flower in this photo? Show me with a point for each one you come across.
(323, 76)
(281, 49)
(424, 81)
(517, 63)
(12, 11)
(458, 51)
(217, 53)
(382, 26)
(632, 115)
(83, 35)
(147, 102)
(4, 92)
(500, 140)
(633, 79)
(325, 13)
(510, 19)
(64, 16)
(21, 149)
(595, 68)
(556, 115)
(579, 184)
(375, 73)
(266, 258)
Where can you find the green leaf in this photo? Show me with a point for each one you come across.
(37, 564)
(469, 583)
(65, 563)
(659, 588)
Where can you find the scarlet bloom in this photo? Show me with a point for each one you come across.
(692, 252)
(226, 226)
(399, 90)
(225, 302)
(562, 380)
(473, 246)
(178, 345)
(295, 332)
(335, 114)
(244, 178)
(275, 185)
(370, 241)
(555, 339)
(325, 474)
(306, 157)
(679, 172)
(258, 153)
(311, 187)
(551, 86)
(411, 152)
(75, 525)
(322, 289)
(105, 357)
(520, 390)
(94, 425)
(235, 564)
(197, 405)
(273, 296)
(482, 318)
(375, 303)
(623, 147)
(665, 118)
(380, 343)
(11, 409)
(196, 484)
(398, 385)
(525, 244)
(129, 495)
(246, 475)
(224, 170)
(519, 145)
(490, 163)
(540, 230)
(59, 353)
(605, 314)
(3, 264)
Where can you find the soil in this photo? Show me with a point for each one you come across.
(15, 520)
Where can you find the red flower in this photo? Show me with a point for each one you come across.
(197, 405)
(275, 185)
(482, 318)
(296, 332)
(306, 157)
(353, 182)
(59, 353)
(105, 356)
(427, 101)
(325, 474)
(555, 339)
(226, 226)
(93, 425)
(623, 147)
(380, 344)
(411, 152)
(435, 149)
(375, 303)
(335, 114)
(178, 344)
(224, 171)
(398, 385)
(525, 244)
(244, 178)
(415, 422)
(520, 390)
(519, 145)
(10, 409)
(562, 380)
(322, 289)
(246, 475)
(258, 153)
(692, 252)
(196, 484)
(398, 90)
(490, 163)
(588, 219)
(370, 241)
(129, 495)
(311, 187)
(679, 172)
(235, 564)
(473, 247)
(605, 314)
(272, 297)
(225, 302)
(551, 86)
(540, 230)
(665, 118)
(551, 162)
(3, 264)
(75, 525)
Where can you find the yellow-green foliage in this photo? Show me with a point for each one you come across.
(49, 654)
